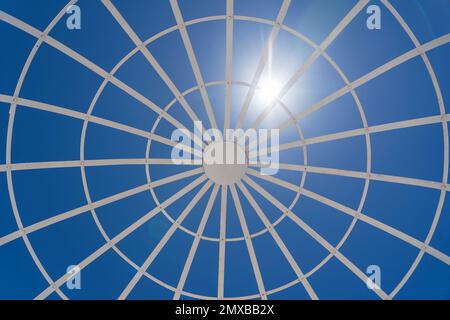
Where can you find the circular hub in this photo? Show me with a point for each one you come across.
(225, 163)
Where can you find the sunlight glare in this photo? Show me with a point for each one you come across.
(269, 90)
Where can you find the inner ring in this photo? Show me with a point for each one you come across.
(299, 36)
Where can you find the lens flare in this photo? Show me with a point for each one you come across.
(269, 90)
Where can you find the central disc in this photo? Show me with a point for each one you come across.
(225, 162)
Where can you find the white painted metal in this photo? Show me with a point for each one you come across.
(442, 110)
(248, 242)
(42, 37)
(196, 242)
(97, 204)
(87, 63)
(85, 163)
(104, 122)
(315, 55)
(193, 60)
(229, 64)
(279, 241)
(222, 244)
(12, 112)
(133, 227)
(152, 256)
(349, 211)
(372, 75)
(364, 175)
(313, 234)
(151, 59)
(263, 60)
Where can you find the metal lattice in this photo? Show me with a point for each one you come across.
(225, 192)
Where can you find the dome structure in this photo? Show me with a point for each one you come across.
(224, 149)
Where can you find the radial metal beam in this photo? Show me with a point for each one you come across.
(155, 252)
(314, 235)
(88, 64)
(379, 225)
(193, 60)
(150, 58)
(447, 120)
(222, 243)
(94, 205)
(310, 61)
(355, 214)
(263, 60)
(85, 163)
(12, 111)
(195, 243)
(229, 64)
(72, 213)
(248, 242)
(101, 121)
(446, 146)
(287, 254)
(176, 177)
(355, 133)
(370, 76)
(364, 175)
(125, 233)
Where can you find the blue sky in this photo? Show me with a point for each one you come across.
(406, 92)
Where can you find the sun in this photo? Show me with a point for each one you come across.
(269, 89)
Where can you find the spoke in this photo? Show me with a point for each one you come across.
(176, 177)
(364, 175)
(222, 244)
(287, 254)
(282, 183)
(355, 214)
(125, 233)
(248, 242)
(163, 241)
(379, 225)
(95, 205)
(12, 111)
(104, 122)
(195, 243)
(88, 64)
(85, 163)
(314, 235)
(310, 61)
(370, 76)
(264, 59)
(358, 132)
(150, 58)
(421, 50)
(446, 146)
(72, 213)
(193, 60)
(229, 64)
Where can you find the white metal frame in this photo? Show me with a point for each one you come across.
(16, 101)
